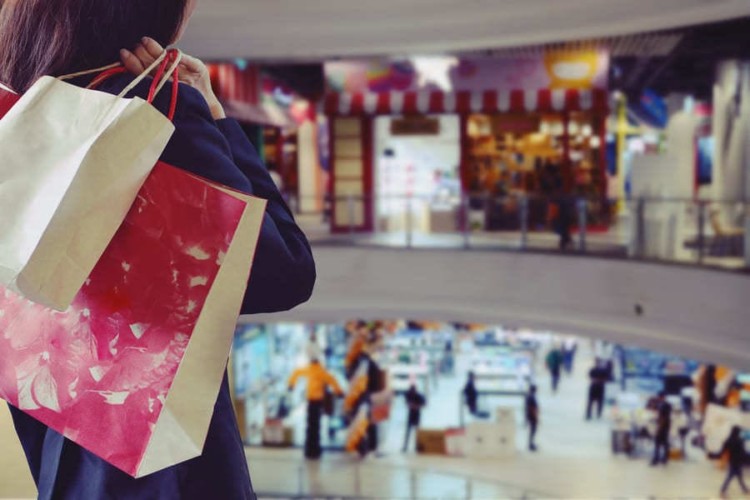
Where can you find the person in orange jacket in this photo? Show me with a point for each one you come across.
(318, 380)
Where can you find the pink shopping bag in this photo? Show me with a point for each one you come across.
(132, 369)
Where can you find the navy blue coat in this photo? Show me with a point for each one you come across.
(283, 276)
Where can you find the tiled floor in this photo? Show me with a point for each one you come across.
(574, 461)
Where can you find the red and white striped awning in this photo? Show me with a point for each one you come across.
(241, 93)
(234, 84)
(491, 101)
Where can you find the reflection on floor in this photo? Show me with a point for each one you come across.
(574, 460)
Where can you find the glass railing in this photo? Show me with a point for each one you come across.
(342, 476)
(690, 231)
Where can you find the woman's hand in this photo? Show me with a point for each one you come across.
(192, 71)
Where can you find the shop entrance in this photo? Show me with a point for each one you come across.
(539, 156)
(417, 181)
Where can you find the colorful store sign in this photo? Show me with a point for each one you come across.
(554, 70)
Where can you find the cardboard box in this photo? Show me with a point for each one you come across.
(431, 441)
(490, 440)
(505, 415)
(455, 442)
(276, 434)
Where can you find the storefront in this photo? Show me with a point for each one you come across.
(263, 357)
(531, 127)
(282, 126)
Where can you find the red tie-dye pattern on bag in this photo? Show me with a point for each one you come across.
(100, 372)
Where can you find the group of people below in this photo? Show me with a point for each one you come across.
(322, 386)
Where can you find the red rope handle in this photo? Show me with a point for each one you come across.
(169, 60)
(159, 75)
(175, 94)
(105, 76)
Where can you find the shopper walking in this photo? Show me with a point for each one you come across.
(570, 347)
(42, 37)
(663, 430)
(564, 222)
(554, 365)
(471, 395)
(532, 416)
(597, 387)
(318, 380)
(415, 401)
(735, 448)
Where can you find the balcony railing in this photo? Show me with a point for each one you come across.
(712, 233)
(342, 476)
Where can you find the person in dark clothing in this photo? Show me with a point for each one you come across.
(375, 383)
(55, 38)
(565, 215)
(554, 365)
(735, 447)
(471, 395)
(569, 355)
(598, 378)
(709, 386)
(663, 429)
(448, 361)
(415, 401)
(532, 416)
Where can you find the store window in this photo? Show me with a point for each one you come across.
(538, 156)
(417, 173)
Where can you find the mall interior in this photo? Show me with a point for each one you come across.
(503, 199)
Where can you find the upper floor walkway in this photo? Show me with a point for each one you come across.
(693, 306)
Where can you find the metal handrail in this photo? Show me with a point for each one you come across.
(355, 469)
(517, 221)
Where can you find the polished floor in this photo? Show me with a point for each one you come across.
(574, 461)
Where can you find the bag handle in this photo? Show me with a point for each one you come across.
(170, 55)
(138, 79)
(175, 57)
(161, 77)
(88, 72)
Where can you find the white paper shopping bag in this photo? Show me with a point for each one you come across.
(71, 163)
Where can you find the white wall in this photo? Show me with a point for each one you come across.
(307, 163)
(671, 174)
(697, 313)
(731, 126)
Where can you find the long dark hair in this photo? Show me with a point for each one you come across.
(55, 37)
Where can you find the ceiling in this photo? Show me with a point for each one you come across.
(310, 30)
(681, 60)
(689, 67)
